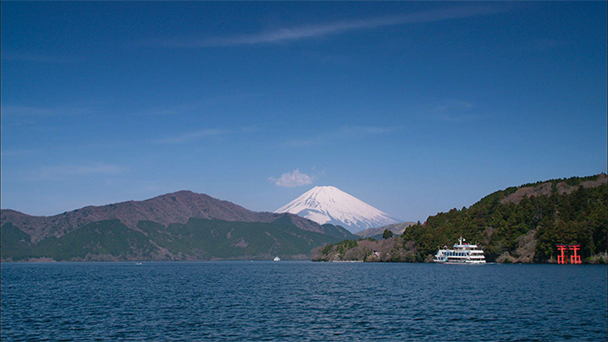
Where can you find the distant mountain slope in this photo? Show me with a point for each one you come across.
(175, 207)
(396, 228)
(328, 204)
(337, 231)
(115, 231)
(197, 239)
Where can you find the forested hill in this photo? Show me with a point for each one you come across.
(523, 224)
(518, 224)
(177, 226)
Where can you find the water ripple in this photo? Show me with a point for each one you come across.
(301, 301)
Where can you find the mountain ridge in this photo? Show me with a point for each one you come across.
(176, 207)
(177, 226)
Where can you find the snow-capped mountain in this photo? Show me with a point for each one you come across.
(328, 204)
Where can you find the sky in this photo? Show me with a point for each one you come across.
(413, 107)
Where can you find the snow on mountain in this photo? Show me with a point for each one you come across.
(328, 204)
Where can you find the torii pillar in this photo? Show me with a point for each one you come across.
(561, 259)
(575, 258)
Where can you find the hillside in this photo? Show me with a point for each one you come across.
(518, 224)
(178, 226)
(197, 239)
(376, 233)
(177, 207)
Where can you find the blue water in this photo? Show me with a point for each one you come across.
(301, 301)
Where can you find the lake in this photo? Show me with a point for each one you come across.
(302, 301)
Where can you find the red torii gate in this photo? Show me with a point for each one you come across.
(560, 258)
(574, 257)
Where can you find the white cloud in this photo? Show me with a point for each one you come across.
(284, 35)
(293, 179)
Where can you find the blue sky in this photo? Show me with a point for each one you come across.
(413, 107)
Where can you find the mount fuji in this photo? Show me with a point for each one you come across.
(328, 204)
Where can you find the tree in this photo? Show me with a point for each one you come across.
(387, 234)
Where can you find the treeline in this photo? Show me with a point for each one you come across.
(198, 239)
(518, 232)
(525, 230)
(391, 249)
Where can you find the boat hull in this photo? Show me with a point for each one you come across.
(460, 262)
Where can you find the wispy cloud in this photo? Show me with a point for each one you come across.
(343, 133)
(285, 35)
(27, 111)
(36, 58)
(194, 136)
(17, 153)
(77, 170)
(202, 104)
(548, 44)
(361, 131)
(41, 117)
(169, 110)
(453, 112)
(292, 179)
(304, 142)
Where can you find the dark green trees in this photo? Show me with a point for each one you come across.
(524, 231)
(387, 234)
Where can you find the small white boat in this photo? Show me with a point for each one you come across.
(276, 258)
(462, 254)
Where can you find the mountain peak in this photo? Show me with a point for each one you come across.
(328, 204)
(325, 187)
(175, 207)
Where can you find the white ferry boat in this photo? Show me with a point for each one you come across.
(463, 253)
